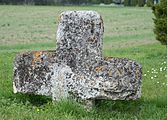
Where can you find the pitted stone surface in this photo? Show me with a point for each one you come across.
(32, 73)
(79, 39)
(77, 68)
(113, 78)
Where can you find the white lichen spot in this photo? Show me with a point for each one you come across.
(14, 88)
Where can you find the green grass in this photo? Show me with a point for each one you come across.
(128, 33)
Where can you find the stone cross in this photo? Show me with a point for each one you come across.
(77, 68)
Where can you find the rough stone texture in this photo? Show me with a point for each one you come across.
(32, 73)
(79, 39)
(77, 68)
(113, 79)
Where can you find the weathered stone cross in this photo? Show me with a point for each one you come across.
(77, 68)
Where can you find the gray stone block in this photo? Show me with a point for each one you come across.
(77, 67)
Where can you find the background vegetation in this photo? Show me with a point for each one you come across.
(134, 2)
(160, 12)
(128, 33)
(55, 2)
(80, 2)
(150, 3)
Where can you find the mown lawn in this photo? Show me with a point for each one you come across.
(128, 33)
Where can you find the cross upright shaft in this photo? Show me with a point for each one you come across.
(79, 38)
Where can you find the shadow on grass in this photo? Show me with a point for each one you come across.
(119, 105)
(34, 100)
(103, 108)
(114, 108)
